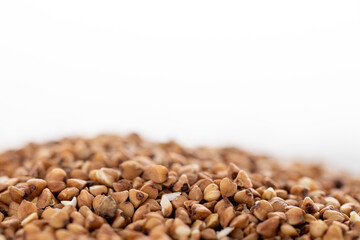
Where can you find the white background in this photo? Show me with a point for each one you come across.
(276, 77)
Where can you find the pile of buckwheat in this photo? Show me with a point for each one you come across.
(113, 187)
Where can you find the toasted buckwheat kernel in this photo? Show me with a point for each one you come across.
(333, 215)
(5, 197)
(85, 199)
(153, 223)
(77, 218)
(232, 171)
(199, 212)
(68, 193)
(309, 218)
(281, 193)
(203, 183)
(138, 182)
(299, 191)
(279, 205)
(244, 197)
(122, 185)
(25, 209)
(79, 174)
(98, 190)
(241, 221)
(268, 228)
(222, 204)
(56, 186)
(157, 173)
(182, 184)
(179, 201)
(107, 208)
(131, 169)
(13, 209)
(93, 221)
(208, 234)
(212, 192)
(332, 201)
(120, 220)
(120, 197)
(36, 186)
(107, 176)
(59, 219)
(195, 193)
(243, 180)
(261, 209)
(76, 228)
(16, 194)
(179, 230)
(226, 216)
(47, 213)
(150, 189)
(212, 221)
(97, 201)
(288, 230)
(295, 216)
(347, 208)
(309, 206)
(183, 214)
(334, 232)
(56, 174)
(198, 224)
(227, 187)
(78, 183)
(268, 194)
(10, 224)
(154, 205)
(281, 215)
(127, 207)
(137, 197)
(354, 217)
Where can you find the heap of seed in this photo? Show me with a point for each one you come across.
(112, 187)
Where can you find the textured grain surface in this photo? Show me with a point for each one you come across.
(113, 187)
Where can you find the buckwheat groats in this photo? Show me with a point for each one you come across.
(113, 187)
